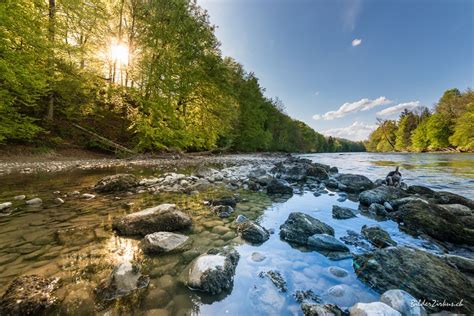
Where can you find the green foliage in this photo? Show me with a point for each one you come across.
(419, 136)
(463, 136)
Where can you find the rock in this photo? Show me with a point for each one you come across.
(299, 226)
(426, 276)
(58, 201)
(223, 211)
(355, 182)
(277, 187)
(333, 170)
(241, 218)
(442, 197)
(378, 209)
(20, 197)
(326, 242)
(162, 242)
(372, 309)
(395, 204)
(388, 207)
(338, 272)
(88, 196)
(381, 195)
(305, 296)
(29, 295)
(257, 257)
(317, 172)
(420, 190)
(339, 212)
(356, 239)
(124, 280)
(402, 302)
(252, 232)
(6, 205)
(377, 236)
(116, 183)
(78, 301)
(276, 278)
(35, 201)
(156, 298)
(164, 217)
(226, 200)
(321, 310)
(441, 223)
(214, 271)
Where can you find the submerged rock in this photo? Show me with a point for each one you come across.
(116, 183)
(381, 194)
(299, 227)
(124, 280)
(354, 182)
(226, 200)
(338, 272)
(164, 217)
(424, 275)
(326, 242)
(339, 212)
(402, 302)
(277, 187)
(162, 242)
(214, 271)
(372, 309)
(321, 310)
(441, 223)
(29, 295)
(276, 278)
(241, 218)
(355, 239)
(223, 211)
(377, 236)
(305, 296)
(252, 232)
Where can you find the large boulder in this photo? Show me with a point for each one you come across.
(381, 195)
(377, 236)
(252, 232)
(354, 182)
(442, 197)
(162, 242)
(402, 302)
(124, 280)
(372, 309)
(317, 172)
(213, 272)
(440, 222)
(424, 275)
(340, 212)
(164, 217)
(116, 183)
(278, 187)
(29, 295)
(299, 227)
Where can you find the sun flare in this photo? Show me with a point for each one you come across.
(119, 53)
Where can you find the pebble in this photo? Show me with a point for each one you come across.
(19, 197)
(88, 196)
(35, 201)
(5, 205)
(59, 201)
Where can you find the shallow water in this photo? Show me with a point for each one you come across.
(75, 240)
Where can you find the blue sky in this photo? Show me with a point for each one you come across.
(337, 63)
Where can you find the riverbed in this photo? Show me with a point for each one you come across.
(75, 240)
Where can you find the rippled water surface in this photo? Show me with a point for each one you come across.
(75, 240)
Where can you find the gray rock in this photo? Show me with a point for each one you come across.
(299, 227)
(388, 207)
(333, 170)
(378, 209)
(399, 202)
(326, 242)
(355, 182)
(226, 200)
(59, 201)
(424, 275)
(35, 201)
(442, 197)
(124, 280)
(338, 272)
(306, 296)
(276, 278)
(340, 212)
(402, 302)
(164, 217)
(321, 310)
(381, 195)
(162, 242)
(357, 240)
(257, 257)
(241, 218)
(116, 183)
(214, 271)
(372, 309)
(223, 211)
(277, 187)
(377, 236)
(6, 205)
(30, 295)
(20, 197)
(252, 232)
(462, 263)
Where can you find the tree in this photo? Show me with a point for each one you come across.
(463, 136)
(438, 130)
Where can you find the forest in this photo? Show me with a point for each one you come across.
(449, 127)
(146, 74)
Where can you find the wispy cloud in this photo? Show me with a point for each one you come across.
(346, 108)
(399, 108)
(351, 12)
(357, 131)
(356, 42)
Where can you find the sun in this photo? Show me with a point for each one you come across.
(119, 53)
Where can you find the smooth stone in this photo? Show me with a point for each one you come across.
(321, 310)
(252, 232)
(241, 218)
(403, 302)
(35, 201)
(88, 196)
(59, 201)
(162, 242)
(372, 309)
(257, 257)
(5, 206)
(338, 272)
(220, 230)
(326, 242)
(20, 197)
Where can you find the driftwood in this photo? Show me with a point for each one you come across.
(104, 140)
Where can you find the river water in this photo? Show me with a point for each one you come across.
(75, 241)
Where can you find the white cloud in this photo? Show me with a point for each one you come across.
(356, 132)
(316, 93)
(356, 42)
(346, 108)
(399, 108)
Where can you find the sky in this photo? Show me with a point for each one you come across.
(337, 65)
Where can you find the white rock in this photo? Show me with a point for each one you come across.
(4, 206)
(403, 302)
(19, 197)
(373, 309)
(59, 200)
(203, 264)
(88, 196)
(35, 201)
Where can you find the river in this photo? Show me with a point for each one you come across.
(75, 241)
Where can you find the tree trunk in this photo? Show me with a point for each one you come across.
(51, 35)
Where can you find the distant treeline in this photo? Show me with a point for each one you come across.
(146, 74)
(449, 127)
